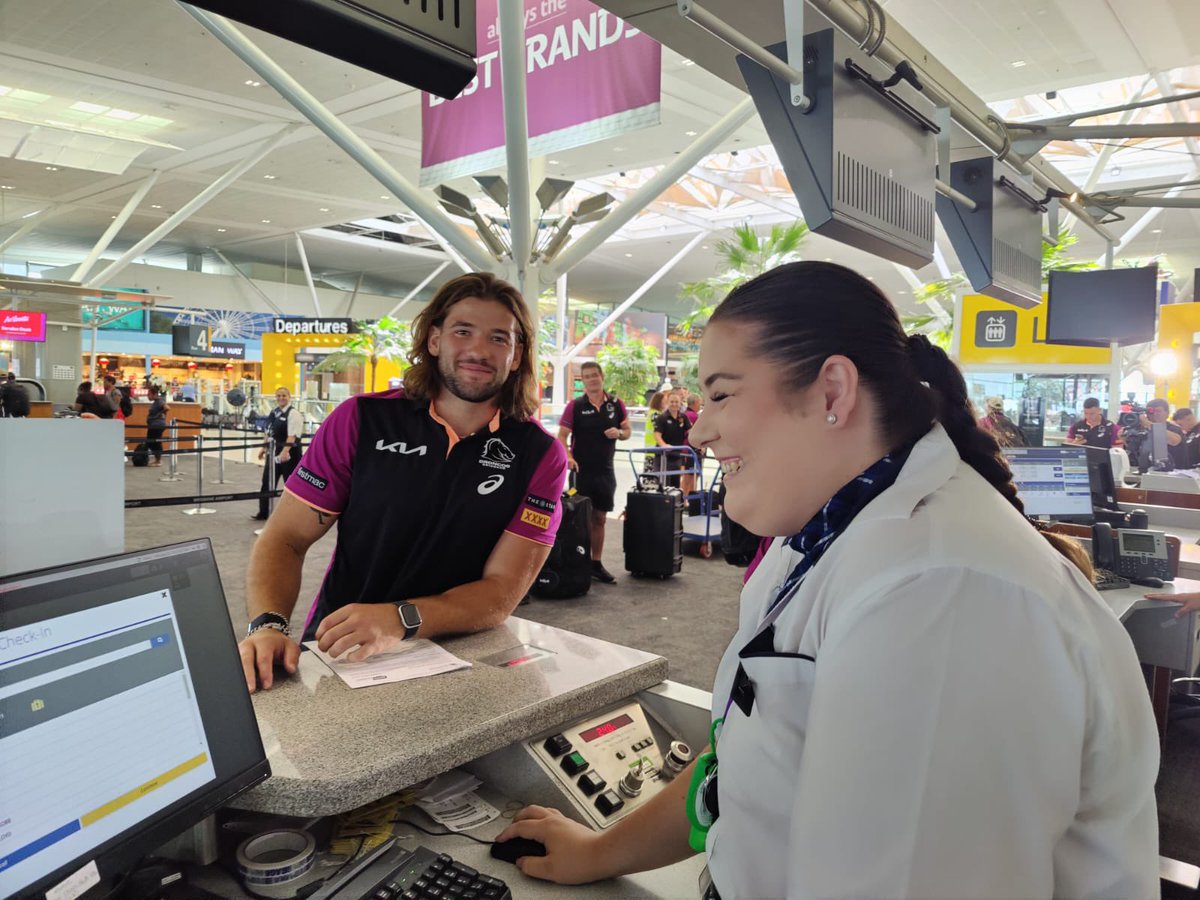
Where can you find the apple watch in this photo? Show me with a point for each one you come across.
(410, 618)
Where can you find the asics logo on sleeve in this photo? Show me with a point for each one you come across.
(400, 447)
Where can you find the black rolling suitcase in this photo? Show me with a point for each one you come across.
(654, 531)
(568, 569)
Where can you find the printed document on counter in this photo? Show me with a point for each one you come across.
(414, 659)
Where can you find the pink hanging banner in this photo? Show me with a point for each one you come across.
(590, 76)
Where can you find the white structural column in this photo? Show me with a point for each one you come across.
(312, 288)
(246, 278)
(420, 287)
(118, 223)
(648, 192)
(516, 137)
(559, 395)
(338, 132)
(181, 215)
(634, 297)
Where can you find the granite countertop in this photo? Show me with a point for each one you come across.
(332, 748)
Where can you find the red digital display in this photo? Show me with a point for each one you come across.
(608, 727)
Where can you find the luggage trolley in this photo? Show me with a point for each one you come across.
(704, 527)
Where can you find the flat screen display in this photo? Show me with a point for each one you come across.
(1094, 309)
(1136, 542)
(1052, 481)
(124, 710)
(22, 325)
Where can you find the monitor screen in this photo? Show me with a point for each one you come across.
(1096, 308)
(1052, 481)
(124, 712)
(1100, 477)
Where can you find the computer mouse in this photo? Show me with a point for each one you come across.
(1150, 581)
(514, 848)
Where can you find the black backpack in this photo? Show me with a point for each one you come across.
(126, 403)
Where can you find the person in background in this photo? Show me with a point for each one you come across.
(594, 423)
(112, 398)
(284, 427)
(156, 424)
(654, 406)
(14, 399)
(671, 429)
(1000, 426)
(1094, 429)
(871, 735)
(692, 408)
(1158, 412)
(1190, 426)
(187, 391)
(87, 404)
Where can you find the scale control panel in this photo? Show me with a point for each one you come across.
(611, 763)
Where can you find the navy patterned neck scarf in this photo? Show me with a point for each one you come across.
(823, 529)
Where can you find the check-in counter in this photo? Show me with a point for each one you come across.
(333, 749)
(185, 413)
(531, 687)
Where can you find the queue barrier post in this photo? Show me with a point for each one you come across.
(271, 475)
(220, 452)
(172, 461)
(199, 510)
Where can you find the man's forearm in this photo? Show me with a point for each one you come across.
(468, 608)
(273, 577)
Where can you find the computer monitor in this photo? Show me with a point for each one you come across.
(1159, 448)
(1052, 482)
(124, 715)
(1100, 478)
(1094, 309)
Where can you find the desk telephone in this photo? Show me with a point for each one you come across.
(1136, 554)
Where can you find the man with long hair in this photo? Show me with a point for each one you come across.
(446, 494)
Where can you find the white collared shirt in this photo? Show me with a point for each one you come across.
(953, 712)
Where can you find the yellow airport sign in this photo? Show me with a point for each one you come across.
(995, 333)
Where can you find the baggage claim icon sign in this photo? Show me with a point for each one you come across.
(995, 328)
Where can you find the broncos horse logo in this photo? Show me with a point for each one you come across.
(497, 451)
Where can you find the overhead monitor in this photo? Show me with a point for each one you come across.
(124, 715)
(861, 160)
(430, 46)
(999, 242)
(1094, 309)
(1052, 482)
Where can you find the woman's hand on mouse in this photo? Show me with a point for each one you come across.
(1190, 602)
(574, 853)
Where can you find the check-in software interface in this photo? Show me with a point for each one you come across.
(99, 729)
(1052, 481)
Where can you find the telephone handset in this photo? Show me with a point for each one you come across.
(1133, 553)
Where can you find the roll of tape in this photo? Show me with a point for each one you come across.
(273, 863)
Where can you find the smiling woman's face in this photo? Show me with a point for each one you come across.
(781, 458)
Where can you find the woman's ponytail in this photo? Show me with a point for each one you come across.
(976, 447)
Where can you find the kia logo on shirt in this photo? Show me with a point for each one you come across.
(400, 447)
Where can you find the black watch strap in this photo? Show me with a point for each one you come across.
(410, 618)
(273, 620)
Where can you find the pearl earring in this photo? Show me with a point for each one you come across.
(831, 418)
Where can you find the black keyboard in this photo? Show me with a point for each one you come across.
(419, 874)
(1110, 581)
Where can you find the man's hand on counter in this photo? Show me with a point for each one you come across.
(375, 627)
(574, 853)
(264, 650)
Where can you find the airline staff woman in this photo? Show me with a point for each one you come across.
(924, 698)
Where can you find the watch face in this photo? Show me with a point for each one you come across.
(410, 615)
